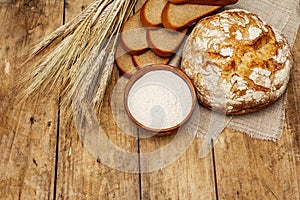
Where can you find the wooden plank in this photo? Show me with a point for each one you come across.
(74, 8)
(253, 168)
(249, 168)
(187, 178)
(27, 131)
(293, 106)
(80, 175)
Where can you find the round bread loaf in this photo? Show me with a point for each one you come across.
(237, 62)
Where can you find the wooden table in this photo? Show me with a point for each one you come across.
(42, 156)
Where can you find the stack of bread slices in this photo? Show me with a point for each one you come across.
(154, 33)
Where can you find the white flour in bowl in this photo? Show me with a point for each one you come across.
(160, 99)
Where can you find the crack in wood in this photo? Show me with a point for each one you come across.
(58, 120)
(56, 151)
(214, 169)
(139, 164)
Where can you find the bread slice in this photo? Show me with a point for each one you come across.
(177, 17)
(164, 42)
(205, 2)
(134, 35)
(124, 61)
(151, 13)
(148, 58)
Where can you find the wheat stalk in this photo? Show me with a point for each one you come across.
(80, 61)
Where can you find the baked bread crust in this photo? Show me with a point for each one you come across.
(134, 35)
(178, 17)
(148, 58)
(164, 42)
(237, 62)
(151, 13)
(124, 61)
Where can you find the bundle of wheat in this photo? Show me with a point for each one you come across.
(80, 60)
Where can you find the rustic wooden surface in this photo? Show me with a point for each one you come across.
(27, 131)
(42, 156)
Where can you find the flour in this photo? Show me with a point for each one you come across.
(254, 33)
(160, 99)
(261, 77)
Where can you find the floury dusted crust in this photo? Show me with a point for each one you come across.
(237, 62)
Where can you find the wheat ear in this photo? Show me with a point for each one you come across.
(80, 60)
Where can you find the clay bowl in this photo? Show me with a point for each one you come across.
(165, 77)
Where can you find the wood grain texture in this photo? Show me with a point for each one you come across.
(253, 168)
(27, 131)
(293, 106)
(187, 178)
(73, 8)
(82, 175)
